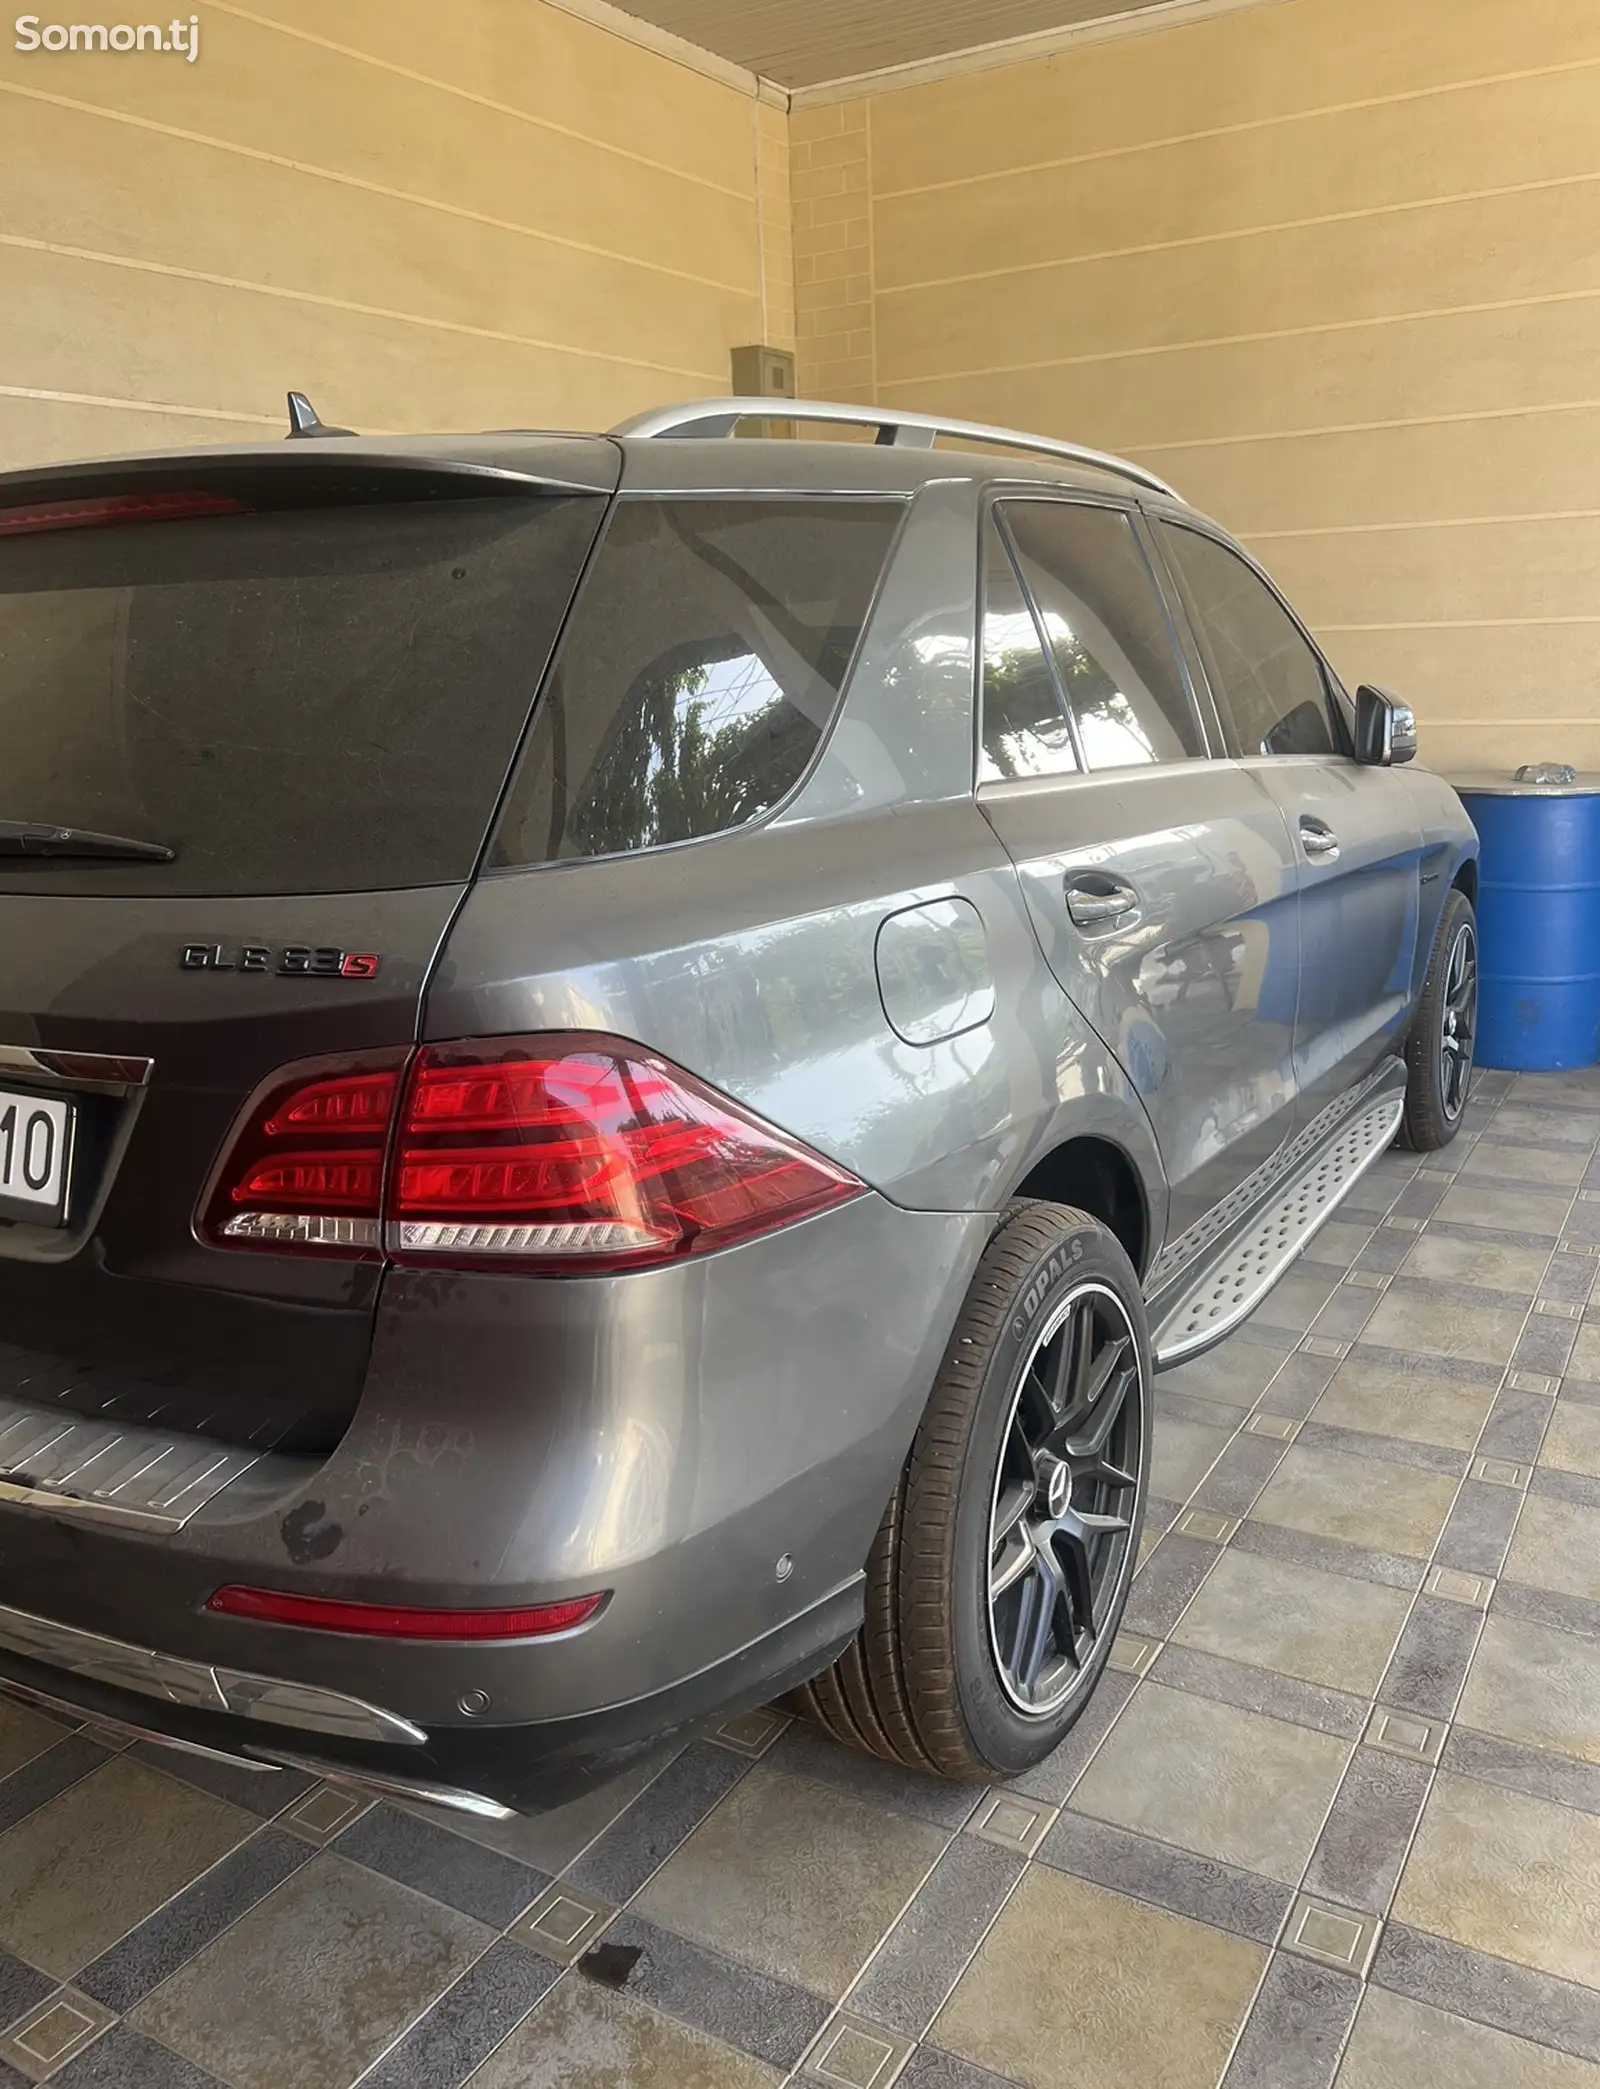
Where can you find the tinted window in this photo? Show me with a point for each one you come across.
(304, 700)
(1025, 730)
(700, 670)
(1268, 683)
(1107, 632)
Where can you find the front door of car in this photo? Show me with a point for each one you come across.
(1355, 827)
(1162, 885)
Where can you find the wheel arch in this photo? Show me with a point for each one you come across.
(1466, 880)
(1098, 1176)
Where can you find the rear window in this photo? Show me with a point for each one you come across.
(699, 672)
(308, 700)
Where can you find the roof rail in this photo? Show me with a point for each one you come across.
(719, 417)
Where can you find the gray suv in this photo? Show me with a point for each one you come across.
(620, 1056)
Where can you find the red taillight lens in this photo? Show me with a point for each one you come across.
(306, 1168)
(117, 507)
(560, 1153)
(586, 1153)
(394, 1621)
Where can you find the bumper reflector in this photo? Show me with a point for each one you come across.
(391, 1621)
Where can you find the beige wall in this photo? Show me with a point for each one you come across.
(1333, 267)
(488, 213)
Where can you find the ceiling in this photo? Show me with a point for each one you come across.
(799, 43)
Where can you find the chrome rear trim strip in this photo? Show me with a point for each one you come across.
(109, 1069)
(198, 1684)
(411, 1788)
(73, 1465)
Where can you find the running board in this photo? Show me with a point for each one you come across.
(1227, 1289)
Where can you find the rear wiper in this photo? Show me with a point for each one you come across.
(30, 838)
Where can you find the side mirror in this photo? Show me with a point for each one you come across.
(1386, 729)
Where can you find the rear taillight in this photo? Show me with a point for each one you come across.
(399, 1621)
(305, 1169)
(560, 1153)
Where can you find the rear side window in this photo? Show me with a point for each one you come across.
(297, 700)
(1025, 730)
(1268, 683)
(1107, 633)
(698, 675)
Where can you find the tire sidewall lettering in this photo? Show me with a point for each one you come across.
(1059, 1263)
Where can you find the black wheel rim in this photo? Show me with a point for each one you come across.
(1460, 1021)
(1062, 1517)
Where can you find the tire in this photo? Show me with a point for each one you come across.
(939, 1677)
(1438, 1049)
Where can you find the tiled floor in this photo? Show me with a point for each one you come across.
(1335, 1814)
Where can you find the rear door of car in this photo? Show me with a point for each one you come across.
(303, 678)
(1162, 884)
(1354, 827)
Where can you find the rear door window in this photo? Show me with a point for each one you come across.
(700, 670)
(292, 700)
(1107, 633)
(1025, 729)
(1267, 682)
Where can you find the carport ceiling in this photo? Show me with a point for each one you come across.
(799, 43)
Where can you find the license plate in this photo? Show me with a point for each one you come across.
(35, 1157)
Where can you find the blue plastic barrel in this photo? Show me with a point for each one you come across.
(1538, 921)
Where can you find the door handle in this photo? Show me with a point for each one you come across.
(1318, 840)
(1096, 901)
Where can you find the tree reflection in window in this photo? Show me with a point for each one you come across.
(1108, 725)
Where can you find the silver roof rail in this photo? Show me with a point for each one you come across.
(915, 431)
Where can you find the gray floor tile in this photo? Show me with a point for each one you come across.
(930, 2069)
(1572, 1442)
(1182, 1453)
(1478, 1529)
(1364, 1840)
(1162, 1589)
(22, 1987)
(1426, 1406)
(145, 1837)
(1249, 1791)
(1540, 1212)
(642, 1839)
(772, 2019)
(793, 1879)
(482, 1883)
(1295, 2029)
(908, 1980)
(1199, 1887)
(1183, 1667)
(1175, 1992)
(1440, 1258)
(1274, 1614)
(1512, 1877)
(1531, 1684)
(25, 1735)
(1297, 1388)
(1400, 2041)
(1329, 1555)
(1358, 1501)
(124, 2059)
(1430, 1662)
(1488, 1991)
(807, 1752)
(1241, 1472)
(1318, 1434)
(139, 1962)
(1296, 1300)
(43, 1776)
(1235, 1373)
(1545, 1344)
(1557, 1546)
(465, 2025)
(1516, 1426)
(1059, 1772)
(584, 2036)
(316, 1982)
(1528, 1770)
(261, 1792)
(1547, 1607)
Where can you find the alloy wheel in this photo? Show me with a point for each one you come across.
(1062, 1515)
(1460, 1021)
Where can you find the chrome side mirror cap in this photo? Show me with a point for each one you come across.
(1386, 729)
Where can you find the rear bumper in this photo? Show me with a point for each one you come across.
(486, 1770)
(711, 1444)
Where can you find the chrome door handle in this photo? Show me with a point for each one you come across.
(1097, 902)
(1318, 840)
